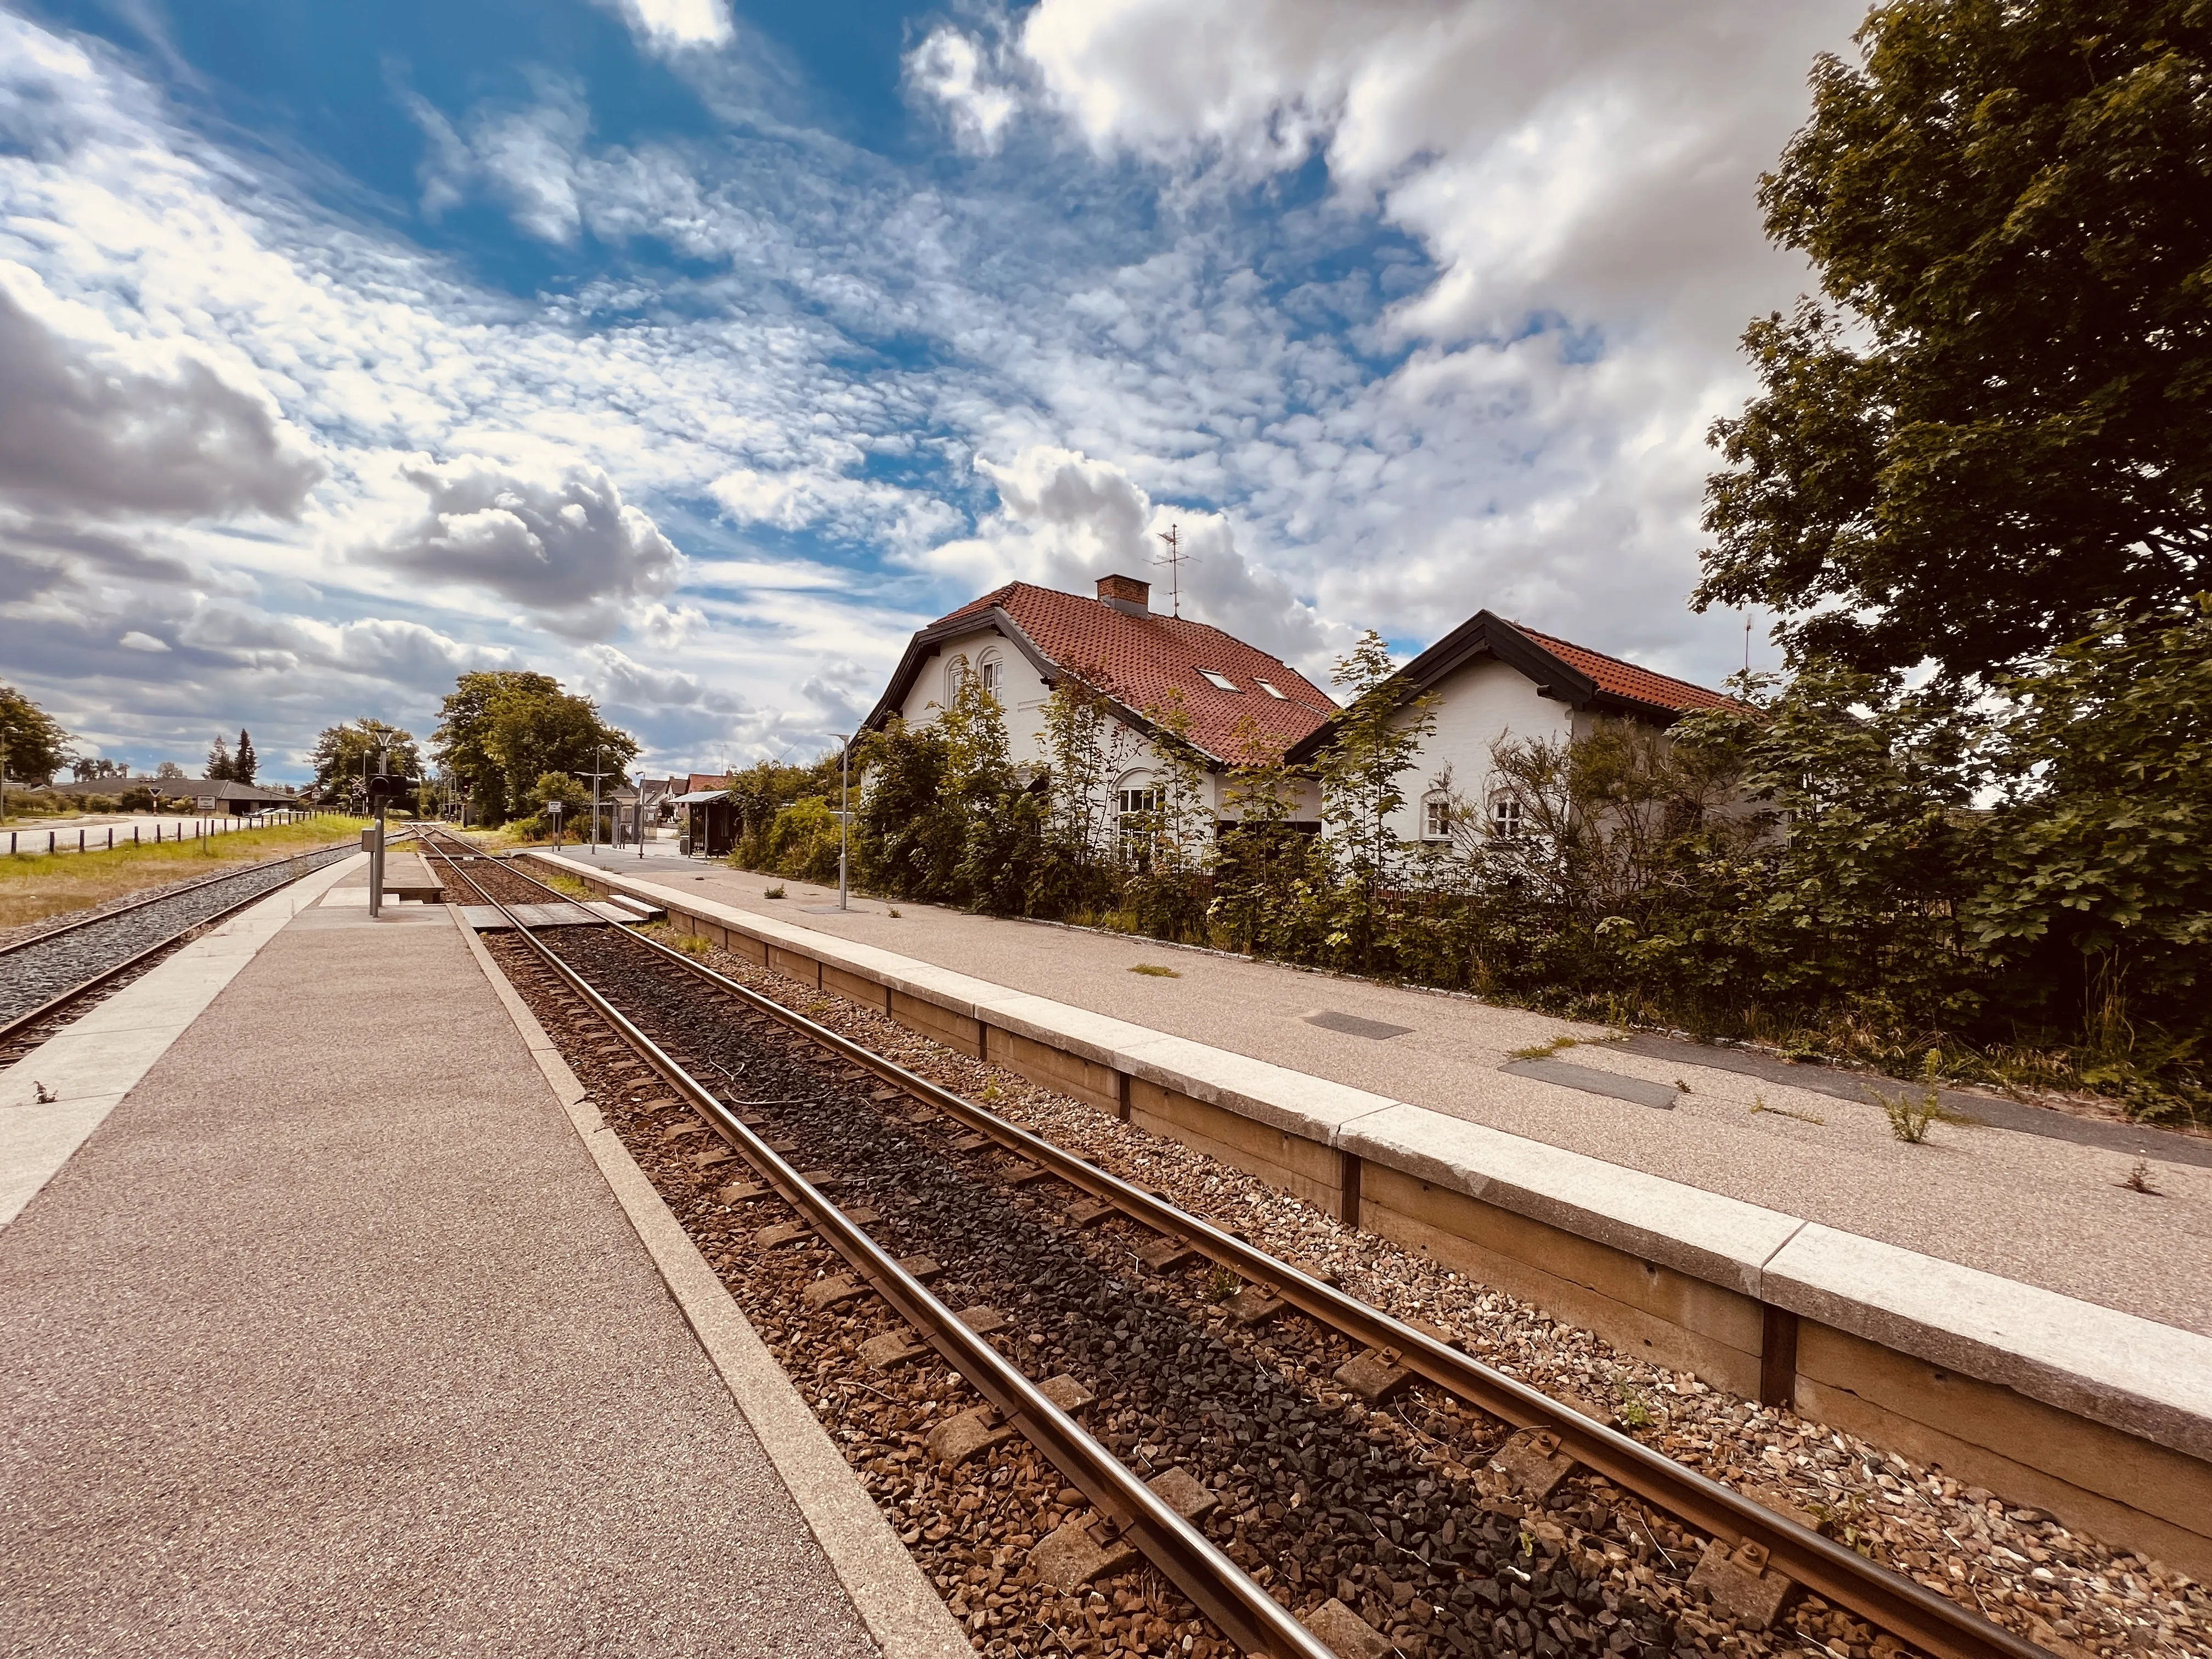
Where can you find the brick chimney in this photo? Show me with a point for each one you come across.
(1126, 594)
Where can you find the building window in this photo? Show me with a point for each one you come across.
(1506, 818)
(1137, 804)
(994, 671)
(1436, 818)
(956, 671)
(1218, 682)
(1268, 687)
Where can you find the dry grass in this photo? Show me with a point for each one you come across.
(35, 887)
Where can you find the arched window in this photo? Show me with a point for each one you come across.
(993, 673)
(1136, 802)
(1436, 816)
(956, 671)
(1505, 817)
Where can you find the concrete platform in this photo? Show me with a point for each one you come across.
(334, 1335)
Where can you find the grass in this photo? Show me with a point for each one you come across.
(1758, 1104)
(776, 891)
(1913, 1114)
(35, 886)
(1155, 971)
(568, 884)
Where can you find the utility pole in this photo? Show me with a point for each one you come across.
(598, 754)
(1174, 558)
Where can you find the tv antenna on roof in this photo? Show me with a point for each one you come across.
(1175, 558)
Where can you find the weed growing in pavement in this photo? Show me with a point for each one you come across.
(1912, 1115)
(1758, 1104)
(1545, 1050)
(776, 891)
(1221, 1285)
(2139, 1180)
(895, 913)
(1155, 971)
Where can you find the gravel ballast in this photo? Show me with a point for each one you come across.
(974, 1538)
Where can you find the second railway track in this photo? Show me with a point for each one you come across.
(1326, 1452)
(48, 973)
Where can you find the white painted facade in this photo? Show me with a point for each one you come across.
(1012, 678)
(1476, 706)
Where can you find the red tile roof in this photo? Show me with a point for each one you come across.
(1626, 679)
(1137, 660)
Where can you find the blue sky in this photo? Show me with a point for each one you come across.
(697, 353)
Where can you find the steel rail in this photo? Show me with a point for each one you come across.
(158, 898)
(1932, 1623)
(53, 1005)
(1221, 1589)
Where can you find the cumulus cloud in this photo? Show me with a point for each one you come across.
(557, 540)
(135, 641)
(1066, 518)
(675, 26)
(95, 421)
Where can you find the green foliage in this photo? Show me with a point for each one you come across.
(802, 841)
(575, 800)
(33, 745)
(344, 754)
(2003, 426)
(1167, 849)
(1374, 742)
(499, 731)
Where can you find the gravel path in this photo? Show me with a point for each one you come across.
(32, 973)
(2068, 1592)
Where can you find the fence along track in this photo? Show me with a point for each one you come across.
(1931, 1623)
(1192, 1562)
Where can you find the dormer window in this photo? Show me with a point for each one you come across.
(1218, 682)
(1269, 688)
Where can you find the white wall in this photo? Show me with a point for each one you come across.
(1477, 704)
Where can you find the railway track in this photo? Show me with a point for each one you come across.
(47, 973)
(1479, 1503)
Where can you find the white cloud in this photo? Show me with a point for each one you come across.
(671, 25)
(135, 641)
(1065, 519)
(561, 542)
(962, 73)
(95, 421)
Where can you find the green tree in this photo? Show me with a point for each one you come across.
(343, 754)
(219, 762)
(1263, 868)
(1078, 741)
(498, 732)
(1164, 885)
(2099, 891)
(2001, 427)
(1375, 739)
(244, 763)
(33, 745)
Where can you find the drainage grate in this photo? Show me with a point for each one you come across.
(1351, 1025)
(1592, 1081)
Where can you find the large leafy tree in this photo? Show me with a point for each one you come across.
(35, 746)
(499, 732)
(344, 754)
(1999, 427)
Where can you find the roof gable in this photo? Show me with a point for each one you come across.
(1573, 674)
(1137, 660)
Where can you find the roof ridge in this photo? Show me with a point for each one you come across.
(1625, 662)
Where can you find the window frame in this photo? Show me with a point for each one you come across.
(1219, 681)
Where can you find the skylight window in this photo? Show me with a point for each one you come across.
(1218, 682)
(1270, 690)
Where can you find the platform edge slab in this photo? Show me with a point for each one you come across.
(900, 1607)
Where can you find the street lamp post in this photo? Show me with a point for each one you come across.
(844, 819)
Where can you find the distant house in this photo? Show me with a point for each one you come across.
(1493, 679)
(1020, 641)
(220, 797)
